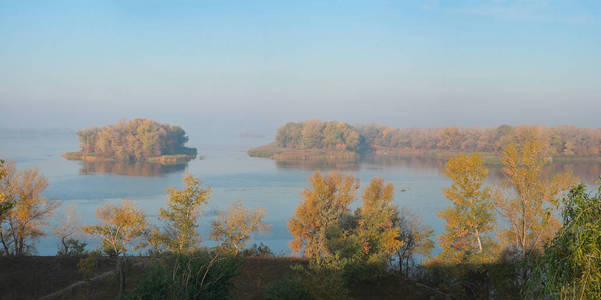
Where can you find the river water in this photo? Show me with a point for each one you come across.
(231, 174)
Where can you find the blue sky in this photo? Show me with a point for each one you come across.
(256, 64)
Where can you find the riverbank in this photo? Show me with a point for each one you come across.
(35, 277)
(285, 154)
(281, 154)
(163, 159)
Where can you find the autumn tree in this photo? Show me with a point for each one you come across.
(181, 215)
(5, 205)
(27, 213)
(236, 227)
(138, 139)
(530, 202)
(323, 205)
(376, 229)
(472, 215)
(121, 230)
(415, 239)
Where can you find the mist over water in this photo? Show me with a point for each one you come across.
(232, 175)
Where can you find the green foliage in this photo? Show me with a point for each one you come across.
(138, 139)
(88, 265)
(259, 250)
(471, 281)
(180, 217)
(416, 239)
(200, 275)
(570, 267)
(72, 247)
(289, 288)
(376, 228)
(323, 279)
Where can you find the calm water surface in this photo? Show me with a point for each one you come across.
(230, 173)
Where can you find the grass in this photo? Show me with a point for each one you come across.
(33, 277)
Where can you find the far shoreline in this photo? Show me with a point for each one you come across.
(170, 159)
(274, 152)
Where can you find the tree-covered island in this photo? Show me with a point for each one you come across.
(136, 140)
(319, 140)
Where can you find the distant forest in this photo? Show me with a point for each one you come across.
(334, 135)
(136, 140)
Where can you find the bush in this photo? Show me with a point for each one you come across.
(260, 250)
(72, 247)
(201, 275)
(289, 288)
(88, 265)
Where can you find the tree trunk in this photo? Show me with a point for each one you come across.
(121, 270)
(479, 242)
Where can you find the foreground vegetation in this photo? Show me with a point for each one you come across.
(136, 140)
(500, 241)
(337, 140)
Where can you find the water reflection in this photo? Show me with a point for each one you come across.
(129, 169)
(587, 172)
(319, 165)
(415, 162)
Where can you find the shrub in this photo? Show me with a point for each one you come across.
(72, 247)
(289, 288)
(88, 265)
(201, 275)
(260, 250)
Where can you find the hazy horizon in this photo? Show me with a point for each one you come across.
(232, 66)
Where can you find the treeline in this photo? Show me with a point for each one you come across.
(561, 140)
(533, 255)
(183, 269)
(314, 134)
(136, 140)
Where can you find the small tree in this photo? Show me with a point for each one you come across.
(376, 231)
(416, 239)
(122, 227)
(68, 230)
(235, 228)
(570, 267)
(472, 214)
(324, 203)
(184, 207)
(27, 212)
(531, 204)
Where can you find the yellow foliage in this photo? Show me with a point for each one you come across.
(235, 228)
(324, 203)
(472, 214)
(120, 226)
(531, 200)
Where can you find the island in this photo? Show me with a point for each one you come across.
(320, 140)
(138, 140)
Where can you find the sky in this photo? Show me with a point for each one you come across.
(254, 65)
